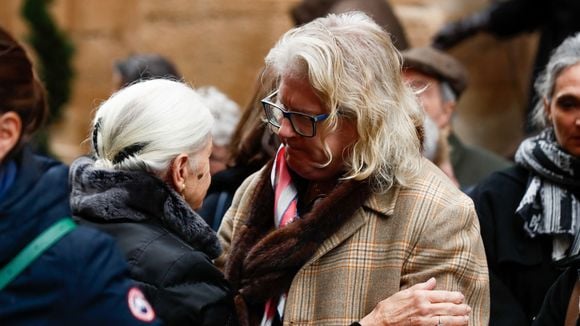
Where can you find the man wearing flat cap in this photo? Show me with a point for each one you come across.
(439, 80)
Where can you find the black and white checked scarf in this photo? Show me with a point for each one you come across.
(549, 207)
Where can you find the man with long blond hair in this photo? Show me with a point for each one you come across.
(348, 212)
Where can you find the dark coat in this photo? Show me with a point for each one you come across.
(521, 268)
(471, 164)
(80, 280)
(555, 19)
(557, 299)
(221, 193)
(167, 245)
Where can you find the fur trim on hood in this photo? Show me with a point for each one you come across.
(105, 195)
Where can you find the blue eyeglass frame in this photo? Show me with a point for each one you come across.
(288, 114)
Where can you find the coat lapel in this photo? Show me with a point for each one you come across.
(381, 204)
(358, 220)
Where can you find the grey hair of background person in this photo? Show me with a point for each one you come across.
(225, 112)
(161, 118)
(564, 56)
(431, 139)
(145, 66)
(355, 69)
(447, 93)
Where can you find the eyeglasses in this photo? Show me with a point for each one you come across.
(302, 123)
(419, 85)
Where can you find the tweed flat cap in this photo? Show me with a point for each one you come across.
(438, 64)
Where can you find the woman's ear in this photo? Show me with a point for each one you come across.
(10, 130)
(179, 172)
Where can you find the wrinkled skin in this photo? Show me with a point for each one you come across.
(421, 305)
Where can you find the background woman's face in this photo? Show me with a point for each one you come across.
(305, 155)
(218, 160)
(563, 109)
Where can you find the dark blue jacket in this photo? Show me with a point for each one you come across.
(81, 280)
(221, 192)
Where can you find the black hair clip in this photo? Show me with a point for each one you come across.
(95, 134)
(128, 151)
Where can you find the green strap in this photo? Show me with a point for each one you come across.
(35, 249)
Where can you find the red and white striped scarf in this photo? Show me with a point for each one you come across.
(285, 211)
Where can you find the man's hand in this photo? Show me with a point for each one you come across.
(420, 305)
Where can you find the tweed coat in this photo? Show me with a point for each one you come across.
(426, 229)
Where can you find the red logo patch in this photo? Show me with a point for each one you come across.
(139, 306)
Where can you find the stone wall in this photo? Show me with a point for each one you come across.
(223, 42)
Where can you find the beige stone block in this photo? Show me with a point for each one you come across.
(98, 17)
(420, 23)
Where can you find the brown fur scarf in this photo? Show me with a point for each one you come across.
(264, 260)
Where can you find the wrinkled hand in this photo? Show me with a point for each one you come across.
(420, 305)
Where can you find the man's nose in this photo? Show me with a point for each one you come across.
(286, 129)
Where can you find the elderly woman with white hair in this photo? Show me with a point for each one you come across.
(149, 169)
(530, 214)
(348, 212)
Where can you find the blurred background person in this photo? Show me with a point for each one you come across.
(347, 198)
(560, 305)
(143, 67)
(226, 114)
(80, 278)
(439, 80)
(529, 213)
(252, 145)
(436, 148)
(554, 19)
(380, 11)
(151, 147)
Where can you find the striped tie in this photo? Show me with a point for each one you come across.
(285, 211)
(286, 197)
